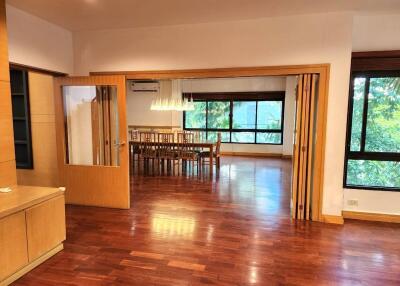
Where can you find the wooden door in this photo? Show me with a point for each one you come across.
(91, 140)
(305, 206)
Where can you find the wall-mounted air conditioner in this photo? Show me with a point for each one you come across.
(145, 86)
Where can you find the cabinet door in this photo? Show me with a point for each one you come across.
(45, 226)
(13, 250)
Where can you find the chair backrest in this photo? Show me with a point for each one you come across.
(218, 145)
(147, 140)
(185, 140)
(198, 136)
(134, 135)
(163, 138)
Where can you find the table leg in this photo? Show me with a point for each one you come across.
(211, 160)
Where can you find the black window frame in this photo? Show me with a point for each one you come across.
(238, 97)
(22, 92)
(362, 154)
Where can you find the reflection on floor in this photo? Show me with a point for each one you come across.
(235, 230)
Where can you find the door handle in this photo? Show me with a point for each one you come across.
(122, 143)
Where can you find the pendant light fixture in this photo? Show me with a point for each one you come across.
(174, 102)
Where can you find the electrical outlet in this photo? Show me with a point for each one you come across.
(352, 203)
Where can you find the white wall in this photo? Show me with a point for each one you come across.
(271, 83)
(306, 39)
(290, 114)
(374, 33)
(35, 42)
(138, 108)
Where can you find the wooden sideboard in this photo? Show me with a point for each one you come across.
(32, 229)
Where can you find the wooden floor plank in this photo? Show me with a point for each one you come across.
(233, 230)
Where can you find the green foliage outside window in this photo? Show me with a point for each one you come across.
(382, 132)
(213, 116)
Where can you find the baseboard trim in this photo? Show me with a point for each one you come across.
(261, 155)
(371, 216)
(335, 219)
(31, 265)
(287, 156)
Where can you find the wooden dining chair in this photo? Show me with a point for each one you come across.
(186, 150)
(205, 155)
(166, 151)
(148, 149)
(134, 148)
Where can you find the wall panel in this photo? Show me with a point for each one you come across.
(7, 157)
(43, 131)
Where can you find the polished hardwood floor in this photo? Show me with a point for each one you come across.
(234, 230)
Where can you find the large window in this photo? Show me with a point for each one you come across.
(253, 117)
(373, 132)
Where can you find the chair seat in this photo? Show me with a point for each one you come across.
(188, 155)
(205, 154)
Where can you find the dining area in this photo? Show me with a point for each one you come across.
(156, 152)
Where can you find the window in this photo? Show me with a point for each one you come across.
(21, 118)
(373, 132)
(245, 117)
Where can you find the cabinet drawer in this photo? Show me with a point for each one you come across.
(45, 226)
(13, 249)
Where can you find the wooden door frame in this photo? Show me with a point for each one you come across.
(323, 70)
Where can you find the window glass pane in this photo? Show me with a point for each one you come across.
(269, 115)
(244, 115)
(92, 127)
(243, 137)
(218, 114)
(373, 173)
(212, 136)
(357, 117)
(197, 117)
(272, 138)
(383, 128)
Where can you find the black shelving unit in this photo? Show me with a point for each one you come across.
(21, 118)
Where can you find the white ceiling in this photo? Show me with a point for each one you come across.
(79, 15)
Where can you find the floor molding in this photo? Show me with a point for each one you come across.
(261, 155)
(371, 216)
(31, 265)
(335, 219)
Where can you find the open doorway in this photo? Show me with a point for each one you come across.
(253, 118)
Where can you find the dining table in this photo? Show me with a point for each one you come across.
(202, 144)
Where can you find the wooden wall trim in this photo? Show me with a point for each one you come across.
(35, 69)
(219, 72)
(153, 127)
(334, 219)
(371, 216)
(375, 61)
(253, 154)
(377, 54)
(324, 73)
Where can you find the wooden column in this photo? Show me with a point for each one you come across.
(7, 156)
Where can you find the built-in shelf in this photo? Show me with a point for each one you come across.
(21, 118)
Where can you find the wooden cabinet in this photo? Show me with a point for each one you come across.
(13, 248)
(45, 225)
(32, 229)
